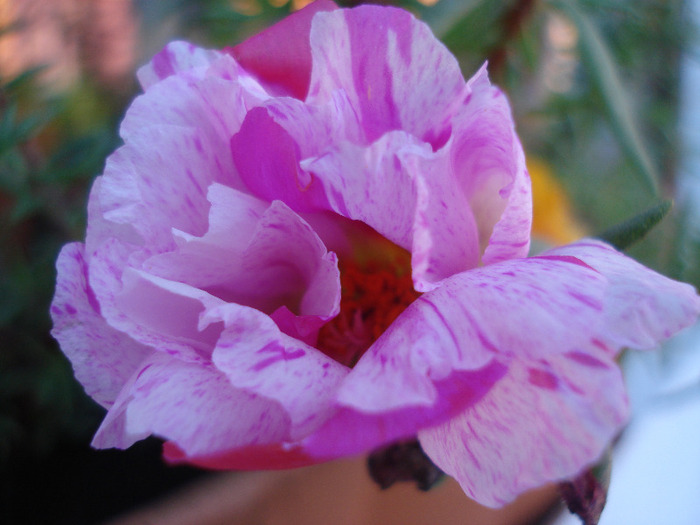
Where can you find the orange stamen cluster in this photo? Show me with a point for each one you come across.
(373, 296)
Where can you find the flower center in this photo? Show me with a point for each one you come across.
(373, 294)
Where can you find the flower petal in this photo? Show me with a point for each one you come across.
(543, 422)
(642, 307)
(371, 184)
(568, 313)
(133, 191)
(285, 67)
(394, 71)
(445, 233)
(258, 254)
(404, 191)
(455, 328)
(156, 312)
(193, 405)
(103, 359)
(450, 346)
(175, 58)
(267, 158)
(352, 429)
(258, 358)
(489, 164)
(514, 313)
(196, 101)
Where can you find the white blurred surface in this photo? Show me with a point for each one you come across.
(656, 464)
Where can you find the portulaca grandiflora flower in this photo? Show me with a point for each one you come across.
(315, 243)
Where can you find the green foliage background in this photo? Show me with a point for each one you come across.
(611, 138)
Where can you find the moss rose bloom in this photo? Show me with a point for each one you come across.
(314, 243)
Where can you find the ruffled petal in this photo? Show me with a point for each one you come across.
(642, 307)
(477, 324)
(489, 164)
(445, 232)
(353, 429)
(511, 234)
(198, 101)
(175, 58)
(462, 326)
(450, 346)
(267, 159)
(285, 68)
(133, 191)
(103, 359)
(258, 254)
(543, 422)
(195, 406)
(371, 184)
(164, 313)
(156, 312)
(258, 358)
(557, 321)
(404, 191)
(177, 128)
(394, 71)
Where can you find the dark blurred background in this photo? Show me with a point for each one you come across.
(595, 90)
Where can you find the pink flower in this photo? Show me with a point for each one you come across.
(250, 285)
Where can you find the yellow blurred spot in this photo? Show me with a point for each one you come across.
(428, 2)
(553, 219)
(246, 7)
(299, 4)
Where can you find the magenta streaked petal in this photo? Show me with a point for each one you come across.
(371, 184)
(193, 103)
(258, 358)
(543, 422)
(445, 233)
(176, 57)
(511, 234)
(404, 191)
(516, 309)
(193, 405)
(452, 331)
(152, 205)
(103, 358)
(642, 307)
(194, 98)
(490, 166)
(354, 429)
(256, 253)
(130, 301)
(164, 314)
(270, 168)
(396, 74)
(284, 68)
(113, 432)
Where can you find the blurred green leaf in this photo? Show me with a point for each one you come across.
(685, 264)
(529, 47)
(600, 65)
(473, 33)
(444, 15)
(23, 79)
(625, 234)
(78, 158)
